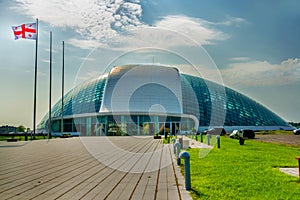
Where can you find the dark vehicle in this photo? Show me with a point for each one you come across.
(242, 134)
(236, 134)
(215, 131)
(249, 134)
(296, 131)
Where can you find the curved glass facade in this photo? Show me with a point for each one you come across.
(212, 104)
(240, 110)
(83, 99)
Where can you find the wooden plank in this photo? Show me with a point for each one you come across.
(127, 186)
(141, 168)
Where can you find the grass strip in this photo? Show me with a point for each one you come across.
(249, 171)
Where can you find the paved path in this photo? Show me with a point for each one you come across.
(289, 139)
(90, 168)
(196, 144)
(290, 171)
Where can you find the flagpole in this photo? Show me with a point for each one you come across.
(50, 88)
(35, 80)
(62, 87)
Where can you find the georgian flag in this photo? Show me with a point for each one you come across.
(25, 31)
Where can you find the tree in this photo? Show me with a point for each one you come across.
(21, 128)
(296, 124)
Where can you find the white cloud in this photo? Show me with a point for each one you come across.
(95, 20)
(255, 73)
(168, 32)
(153, 37)
(87, 75)
(84, 44)
(87, 58)
(239, 59)
(45, 60)
(103, 22)
(195, 28)
(233, 21)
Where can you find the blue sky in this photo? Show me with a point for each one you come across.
(250, 46)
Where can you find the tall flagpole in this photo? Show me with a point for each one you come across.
(62, 87)
(50, 88)
(35, 79)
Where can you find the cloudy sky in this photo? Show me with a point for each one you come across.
(250, 46)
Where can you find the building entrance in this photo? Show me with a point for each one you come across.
(122, 125)
(169, 128)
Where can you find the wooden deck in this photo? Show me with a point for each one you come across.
(90, 168)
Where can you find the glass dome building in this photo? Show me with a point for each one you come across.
(150, 99)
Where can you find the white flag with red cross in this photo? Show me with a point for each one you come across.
(25, 31)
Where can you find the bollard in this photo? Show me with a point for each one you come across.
(196, 137)
(174, 146)
(187, 170)
(177, 146)
(241, 141)
(181, 142)
(298, 158)
(173, 140)
(218, 141)
(201, 138)
(208, 138)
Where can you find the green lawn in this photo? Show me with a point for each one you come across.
(22, 138)
(247, 171)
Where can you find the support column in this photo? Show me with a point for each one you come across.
(106, 126)
(156, 124)
(138, 125)
(88, 126)
(123, 124)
